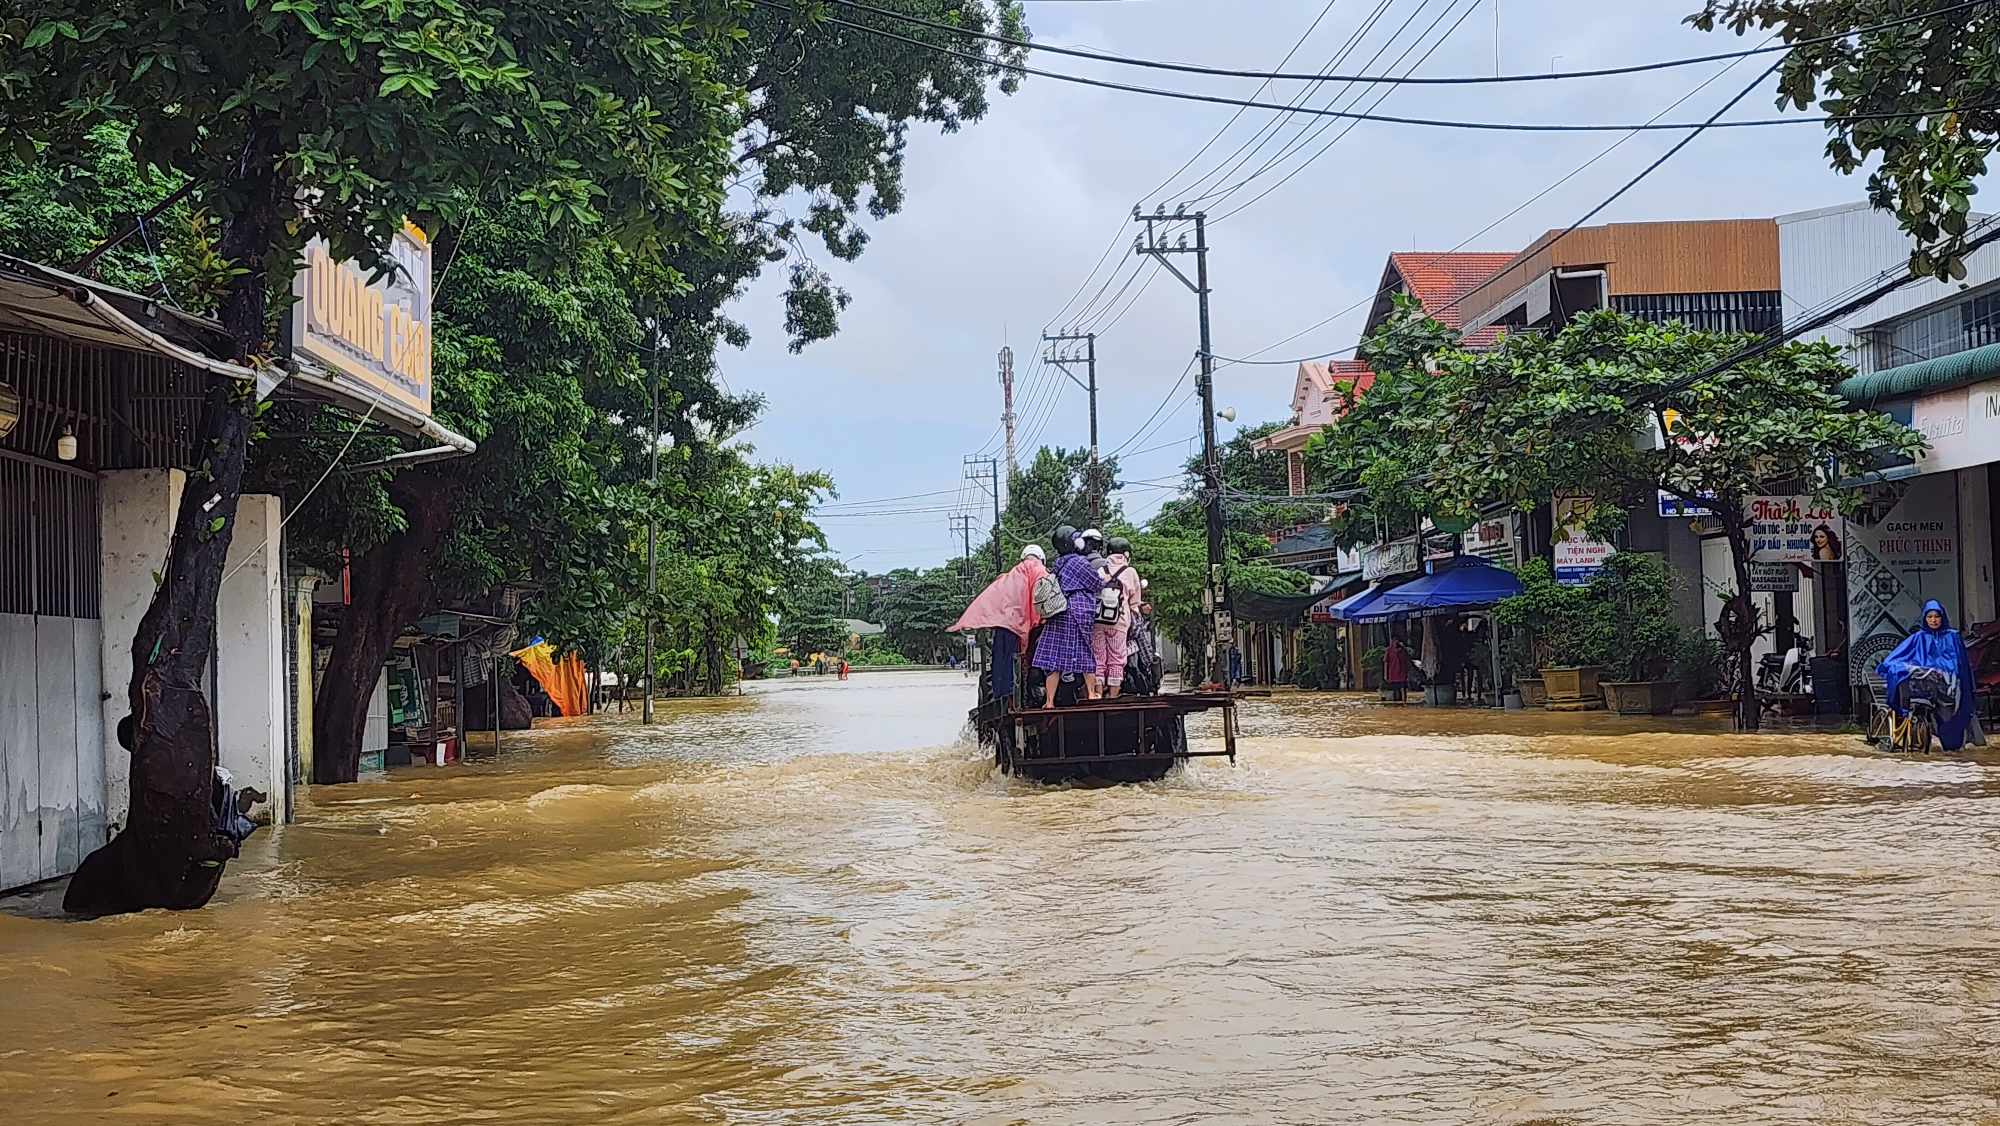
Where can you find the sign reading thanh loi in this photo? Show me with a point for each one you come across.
(373, 332)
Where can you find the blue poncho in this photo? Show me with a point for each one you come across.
(1939, 649)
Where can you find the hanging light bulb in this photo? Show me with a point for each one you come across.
(66, 445)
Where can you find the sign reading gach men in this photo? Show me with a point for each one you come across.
(373, 332)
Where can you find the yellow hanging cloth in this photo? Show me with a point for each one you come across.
(566, 681)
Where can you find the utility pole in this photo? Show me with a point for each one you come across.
(1155, 243)
(1007, 410)
(962, 524)
(652, 527)
(989, 476)
(1062, 357)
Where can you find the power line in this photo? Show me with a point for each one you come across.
(1171, 392)
(1235, 117)
(1386, 119)
(1459, 80)
(1592, 213)
(1277, 123)
(1323, 127)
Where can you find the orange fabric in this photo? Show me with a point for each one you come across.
(1008, 602)
(566, 681)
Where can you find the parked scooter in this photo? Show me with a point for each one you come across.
(1788, 673)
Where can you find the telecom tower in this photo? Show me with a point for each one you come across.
(1007, 408)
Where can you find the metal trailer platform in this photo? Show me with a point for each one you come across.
(1125, 739)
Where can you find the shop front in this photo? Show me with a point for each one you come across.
(1925, 528)
(101, 395)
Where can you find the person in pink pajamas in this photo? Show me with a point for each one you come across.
(1108, 639)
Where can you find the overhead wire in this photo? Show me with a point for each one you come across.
(1454, 80)
(1385, 119)
(1171, 392)
(1564, 233)
(1277, 123)
(1323, 127)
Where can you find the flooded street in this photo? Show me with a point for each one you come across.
(814, 904)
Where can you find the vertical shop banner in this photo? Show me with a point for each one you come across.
(1794, 529)
(1578, 558)
(1902, 551)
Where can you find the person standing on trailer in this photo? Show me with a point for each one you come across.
(1115, 604)
(1064, 646)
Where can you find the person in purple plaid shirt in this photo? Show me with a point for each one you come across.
(1064, 646)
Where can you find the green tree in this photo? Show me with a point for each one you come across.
(1928, 167)
(920, 604)
(340, 119)
(813, 608)
(1445, 431)
(829, 114)
(1052, 489)
(1250, 477)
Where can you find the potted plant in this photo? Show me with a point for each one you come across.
(1634, 594)
(1563, 634)
(1697, 672)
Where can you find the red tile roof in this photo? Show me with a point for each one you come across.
(1441, 281)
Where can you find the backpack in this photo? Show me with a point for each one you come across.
(1111, 599)
(1049, 598)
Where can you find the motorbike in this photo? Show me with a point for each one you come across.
(1788, 673)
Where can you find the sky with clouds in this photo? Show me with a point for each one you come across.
(1006, 219)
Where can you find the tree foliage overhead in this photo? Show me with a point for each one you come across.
(1950, 62)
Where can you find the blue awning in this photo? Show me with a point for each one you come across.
(1358, 607)
(1466, 583)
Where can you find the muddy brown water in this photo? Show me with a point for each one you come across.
(814, 904)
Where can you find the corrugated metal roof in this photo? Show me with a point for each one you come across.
(1926, 377)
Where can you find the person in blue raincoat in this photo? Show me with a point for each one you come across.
(1934, 645)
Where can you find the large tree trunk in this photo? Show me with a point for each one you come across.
(1749, 714)
(170, 853)
(392, 584)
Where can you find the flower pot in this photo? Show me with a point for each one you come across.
(1534, 693)
(1511, 700)
(1719, 706)
(1639, 697)
(1572, 684)
(1441, 695)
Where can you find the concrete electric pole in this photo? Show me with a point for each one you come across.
(986, 471)
(1062, 357)
(1157, 244)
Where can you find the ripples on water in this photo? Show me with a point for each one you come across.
(811, 905)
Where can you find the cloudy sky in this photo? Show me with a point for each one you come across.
(1006, 219)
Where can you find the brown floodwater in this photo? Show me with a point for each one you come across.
(815, 904)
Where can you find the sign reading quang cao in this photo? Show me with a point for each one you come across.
(376, 333)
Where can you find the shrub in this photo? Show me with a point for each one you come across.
(1697, 665)
(1634, 599)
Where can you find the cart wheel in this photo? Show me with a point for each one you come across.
(1920, 736)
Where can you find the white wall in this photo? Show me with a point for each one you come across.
(137, 507)
(1975, 547)
(250, 654)
(1823, 254)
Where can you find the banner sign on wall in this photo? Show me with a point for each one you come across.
(1774, 578)
(1902, 551)
(1578, 558)
(1794, 529)
(1386, 559)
